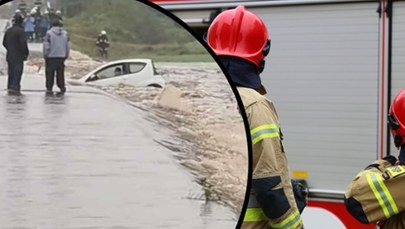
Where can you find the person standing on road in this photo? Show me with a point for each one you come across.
(15, 43)
(241, 41)
(56, 50)
(43, 25)
(38, 16)
(376, 194)
(29, 26)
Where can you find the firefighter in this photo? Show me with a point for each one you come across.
(103, 43)
(376, 193)
(241, 41)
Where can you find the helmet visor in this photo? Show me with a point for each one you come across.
(266, 48)
(393, 122)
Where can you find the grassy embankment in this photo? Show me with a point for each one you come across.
(159, 53)
(135, 31)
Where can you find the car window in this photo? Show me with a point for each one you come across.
(136, 67)
(110, 72)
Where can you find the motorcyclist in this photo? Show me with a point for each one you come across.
(103, 43)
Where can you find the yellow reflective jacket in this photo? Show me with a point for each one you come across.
(377, 194)
(271, 203)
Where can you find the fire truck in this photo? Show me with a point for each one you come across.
(333, 69)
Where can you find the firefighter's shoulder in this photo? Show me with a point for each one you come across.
(250, 96)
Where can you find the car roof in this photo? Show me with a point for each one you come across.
(126, 61)
(145, 60)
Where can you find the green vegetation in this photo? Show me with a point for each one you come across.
(135, 30)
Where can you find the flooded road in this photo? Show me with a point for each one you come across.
(86, 160)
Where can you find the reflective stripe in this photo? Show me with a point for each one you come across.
(254, 215)
(291, 222)
(382, 194)
(264, 131)
(257, 215)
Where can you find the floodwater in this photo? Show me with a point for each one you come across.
(86, 160)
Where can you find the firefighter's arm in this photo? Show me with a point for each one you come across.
(271, 182)
(371, 196)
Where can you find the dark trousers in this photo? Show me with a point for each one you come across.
(15, 70)
(30, 36)
(55, 65)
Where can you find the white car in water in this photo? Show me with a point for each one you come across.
(135, 72)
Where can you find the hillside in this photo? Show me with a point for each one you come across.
(134, 29)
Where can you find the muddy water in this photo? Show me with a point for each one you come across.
(88, 161)
(209, 133)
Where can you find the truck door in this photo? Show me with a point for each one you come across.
(323, 76)
(397, 74)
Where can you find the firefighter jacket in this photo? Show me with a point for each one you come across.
(271, 203)
(377, 194)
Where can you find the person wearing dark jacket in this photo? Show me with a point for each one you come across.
(56, 50)
(15, 42)
(43, 25)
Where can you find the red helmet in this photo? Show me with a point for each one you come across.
(238, 32)
(396, 118)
